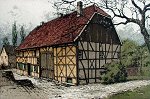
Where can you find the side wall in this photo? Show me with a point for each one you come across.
(4, 58)
(61, 66)
(98, 44)
(25, 58)
(12, 61)
(92, 57)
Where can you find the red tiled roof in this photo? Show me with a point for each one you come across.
(60, 30)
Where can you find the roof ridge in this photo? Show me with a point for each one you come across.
(53, 30)
(94, 7)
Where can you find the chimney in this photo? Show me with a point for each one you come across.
(42, 23)
(79, 9)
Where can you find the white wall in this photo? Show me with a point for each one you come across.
(4, 58)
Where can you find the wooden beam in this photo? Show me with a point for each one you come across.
(88, 59)
(95, 61)
(77, 61)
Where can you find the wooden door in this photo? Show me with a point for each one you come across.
(47, 69)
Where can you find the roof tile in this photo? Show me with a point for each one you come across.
(60, 30)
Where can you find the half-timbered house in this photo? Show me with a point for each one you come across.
(71, 48)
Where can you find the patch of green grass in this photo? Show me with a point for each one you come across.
(139, 93)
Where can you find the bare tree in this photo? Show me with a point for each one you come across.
(130, 11)
(136, 14)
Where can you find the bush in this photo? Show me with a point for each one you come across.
(116, 72)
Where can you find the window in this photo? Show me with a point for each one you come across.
(17, 66)
(36, 69)
(34, 52)
(101, 55)
(25, 67)
(20, 66)
(31, 68)
(69, 80)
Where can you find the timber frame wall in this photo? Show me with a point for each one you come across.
(65, 63)
(25, 58)
(97, 45)
(80, 62)
(61, 65)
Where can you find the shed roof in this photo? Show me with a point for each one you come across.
(61, 30)
(10, 49)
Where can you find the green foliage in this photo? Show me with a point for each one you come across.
(129, 54)
(133, 54)
(145, 56)
(5, 41)
(14, 34)
(116, 72)
(22, 34)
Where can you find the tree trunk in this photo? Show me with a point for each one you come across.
(146, 37)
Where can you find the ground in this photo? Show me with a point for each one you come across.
(11, 90)
(139, 93)
(43, 89)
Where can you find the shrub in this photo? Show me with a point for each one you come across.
(116, 72)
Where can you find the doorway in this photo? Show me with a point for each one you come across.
(47, 69)
(29, 69)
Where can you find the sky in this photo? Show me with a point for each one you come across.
(24, 11)
(29, 13)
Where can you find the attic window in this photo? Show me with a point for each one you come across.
(101, 55)
(69, 80)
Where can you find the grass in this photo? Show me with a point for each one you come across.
(139, 93)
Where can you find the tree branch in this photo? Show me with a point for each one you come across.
(133, 2)
(147, 9)
(147, 17)
(146, 6)
(124, 23)
(67, 1)
(122, 15)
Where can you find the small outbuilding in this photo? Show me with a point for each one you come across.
(71, 48)
(7, 56)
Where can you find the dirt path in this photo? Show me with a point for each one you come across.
(18, 89)
(49, 90)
